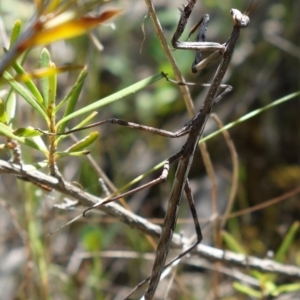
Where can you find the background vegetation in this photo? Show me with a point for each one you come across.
(87, 259)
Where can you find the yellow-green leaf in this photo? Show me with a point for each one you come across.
(80, 125)
(82, 144)
(25, 94)
(287, 241)
(15, 33)
(45, 61)
(52, 90)
(3, 117)
(111, 98)
(77, 153)
(35, 142)
(232, 243)
(27, 132)
(247, 290)
(10, 107)
(286, 288)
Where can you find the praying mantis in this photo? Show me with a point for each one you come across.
(185, 156)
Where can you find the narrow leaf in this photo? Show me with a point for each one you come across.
(81, 124)
(247, 290)
(25, 77)
(112, 98)
(25, 94)
(3, 117)
(45, 61)
(286, 288)
(15, 33)
(40, 144)
(86, 120)
(232, 243)
(269, 287)
(33, 143)
(22, 74)
(27, 132)
(287, 241)
(77, 153)
(52, 90)
(72, 97)
(10, 107)
(251, 115)
(82, 144)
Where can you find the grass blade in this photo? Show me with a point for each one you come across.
(112, 98)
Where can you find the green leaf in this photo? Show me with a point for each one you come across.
(25, 94)
(112, 98)
(287, 241)
(86, 120)
(251, 115)
(77, 153)
(80, 125)
(52, 90)
(10, 107)
(72, 97)
(40, 144)
(260, 276)
(269, 287)
(232, 243)
(82, 144)
(247, 290)
(286, 288)
(3, 117)
(35, 142)
(15, 33)
(45, 61)
(141, 177)
(29, 83)
(6, 130)
(27, 132)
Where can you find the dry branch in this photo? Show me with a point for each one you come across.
(125, 216)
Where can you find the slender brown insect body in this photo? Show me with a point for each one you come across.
(185, 14)
(197, 127)
(194, 130)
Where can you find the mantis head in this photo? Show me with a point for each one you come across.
(239, 19)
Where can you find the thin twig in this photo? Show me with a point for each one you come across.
(159, 32)
(188, 149)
